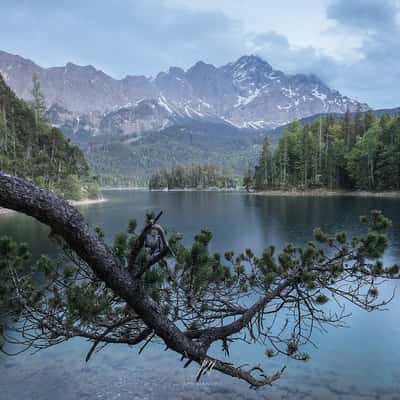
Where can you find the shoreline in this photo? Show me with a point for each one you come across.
(125, 188)
(146, 189)
(6, 211)
(276, 192)
(86, 202)
(198, 190)
(328, 193)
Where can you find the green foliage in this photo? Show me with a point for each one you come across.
(38, 103)
(363, 153)
(31, 148)
(107, 180)
(12, 256)
(120, 246)
(92, 190)
(264, 170)
(70, 188)
(132, 225)
(247, 181)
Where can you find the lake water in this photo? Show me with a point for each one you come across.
(361, 361)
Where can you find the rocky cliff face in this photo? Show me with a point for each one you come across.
(246, 93)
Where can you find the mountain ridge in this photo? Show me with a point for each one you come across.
(246, 93)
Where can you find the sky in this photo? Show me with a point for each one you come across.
(353, 45)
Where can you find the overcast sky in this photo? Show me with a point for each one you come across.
(353, 45)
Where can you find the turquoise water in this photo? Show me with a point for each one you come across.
(361, 361)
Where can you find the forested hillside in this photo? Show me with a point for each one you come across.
(359, 152)
(31, 148)
(193, 177)
(186, 143)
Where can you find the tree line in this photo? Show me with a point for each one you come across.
(32, 149)
(119, 181)
(192, 177)
(353, 152)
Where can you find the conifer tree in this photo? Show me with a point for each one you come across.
(38, 103)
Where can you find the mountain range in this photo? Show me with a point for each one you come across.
(247, 93)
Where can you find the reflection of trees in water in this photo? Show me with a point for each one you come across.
(25, 229)
(291, 219)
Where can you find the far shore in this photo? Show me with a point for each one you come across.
(275, 192)
(211, 189)
(327, 193)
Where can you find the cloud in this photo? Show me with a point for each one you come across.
(373, 76)
(351, 44)
(376, 75)
(277, 50)
(364, 15)
(117, 35)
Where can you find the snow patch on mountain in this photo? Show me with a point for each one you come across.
(163, 102)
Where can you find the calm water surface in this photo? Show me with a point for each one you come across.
(361, 361)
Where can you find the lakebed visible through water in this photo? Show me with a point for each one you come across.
(361, 361)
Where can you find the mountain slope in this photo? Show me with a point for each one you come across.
(188, 142)
(245, 93)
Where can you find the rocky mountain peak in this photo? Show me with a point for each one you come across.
(201, 66)
(252, 62)
(176, 71)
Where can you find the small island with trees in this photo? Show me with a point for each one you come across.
(193, 177)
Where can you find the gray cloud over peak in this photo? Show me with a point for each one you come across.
(376, 75)
(364, 15)
(276, 48)
(119, 36)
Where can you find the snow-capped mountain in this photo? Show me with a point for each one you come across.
(244, 93)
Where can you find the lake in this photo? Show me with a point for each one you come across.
(361, 361)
